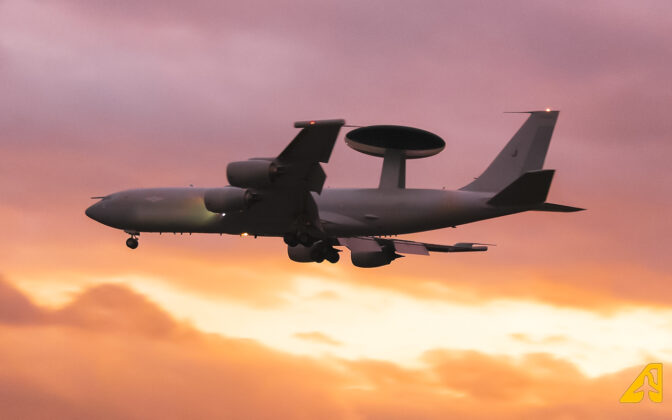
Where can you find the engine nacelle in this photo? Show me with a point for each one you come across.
(252, 173)
(300, 253)
(372, 259)
(227, 199)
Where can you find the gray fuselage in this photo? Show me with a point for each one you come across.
(342, 212)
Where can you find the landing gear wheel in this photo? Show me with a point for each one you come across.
(333, 256)
(321, 251)
(317, 253)
(132, 243)
(305, 239)
(290, 239)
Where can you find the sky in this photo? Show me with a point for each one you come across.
(556, 320)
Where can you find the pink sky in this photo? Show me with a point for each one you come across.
(97, 97)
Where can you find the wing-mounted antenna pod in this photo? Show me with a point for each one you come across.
(395, 144)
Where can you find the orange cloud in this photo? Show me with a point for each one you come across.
(467, 384)
(15, 308)
(317, 337)
(548, 339)
(111, 353)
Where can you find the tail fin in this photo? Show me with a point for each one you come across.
(525, 152)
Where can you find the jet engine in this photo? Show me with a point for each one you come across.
(299, 253)
(227, 199)
(373, 259)
(254, 173)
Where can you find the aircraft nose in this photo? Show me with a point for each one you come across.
(94, 212)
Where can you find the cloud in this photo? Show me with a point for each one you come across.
(15, 307)
(317, 337)
(470, 384)
(111, 353)
(551, 339)
(107, 307)
(111, 307)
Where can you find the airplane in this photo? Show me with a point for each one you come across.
(283, 196)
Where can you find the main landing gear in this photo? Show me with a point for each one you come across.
(132, 242)
(303, 248)
(293, 239)
(320, 251)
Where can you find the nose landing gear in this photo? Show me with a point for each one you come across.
(132, 242)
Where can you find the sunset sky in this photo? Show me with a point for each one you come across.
(555, 321)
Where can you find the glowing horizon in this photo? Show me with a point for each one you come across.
(522, 327)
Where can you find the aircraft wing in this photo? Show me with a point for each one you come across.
(300, 161)
(298, 173)
(400, 246)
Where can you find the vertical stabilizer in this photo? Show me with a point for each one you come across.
(525, 152)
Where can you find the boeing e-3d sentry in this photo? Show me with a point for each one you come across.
(283, 196)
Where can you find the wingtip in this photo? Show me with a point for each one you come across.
(549, 111)
(309, 123)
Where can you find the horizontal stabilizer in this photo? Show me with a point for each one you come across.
(558, 208)
(401, 246)
(458, 247)
(530, 188)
